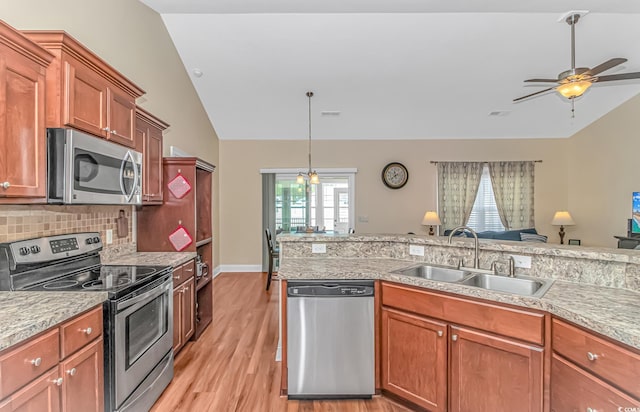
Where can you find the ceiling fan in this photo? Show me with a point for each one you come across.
(574, 82)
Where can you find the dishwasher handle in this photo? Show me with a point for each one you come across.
(329, 290)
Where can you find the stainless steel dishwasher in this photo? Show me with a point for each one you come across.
(330, 339)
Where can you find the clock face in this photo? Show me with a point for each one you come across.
(395, 175)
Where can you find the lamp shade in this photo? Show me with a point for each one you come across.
(431, 219)
(562, 218)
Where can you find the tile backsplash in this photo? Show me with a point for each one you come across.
(28, 221)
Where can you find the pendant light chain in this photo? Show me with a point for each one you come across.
(309, 95)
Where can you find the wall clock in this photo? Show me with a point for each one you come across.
(395, 175)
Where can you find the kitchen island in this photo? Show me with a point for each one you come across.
(439, 343)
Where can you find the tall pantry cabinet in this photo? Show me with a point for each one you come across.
(183, 223)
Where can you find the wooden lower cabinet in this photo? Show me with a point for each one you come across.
(184, 297)
(573, 389)
(492, 373)
(414, 359)
(83, 380)
(69, 382)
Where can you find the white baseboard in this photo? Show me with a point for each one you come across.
(237, 268)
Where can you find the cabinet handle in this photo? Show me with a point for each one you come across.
(87, 330)
(189, 270)
(592, 356)
(454, 337)
(176, 277)
(72, 371)
(57, 382)
(36, 361)
(440, 333)
(5, 185)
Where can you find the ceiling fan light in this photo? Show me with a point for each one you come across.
(572, 90)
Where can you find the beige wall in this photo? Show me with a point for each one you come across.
(388, 211)
(603, 172)
(133, 39)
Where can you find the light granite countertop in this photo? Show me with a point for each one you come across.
(612, 312)
(149, 258)
(25, 314)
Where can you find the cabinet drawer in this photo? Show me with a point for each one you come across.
(615, 364)
(183, 273)
(28, 361)
(573, 389)
(507, 321)
(80, 331)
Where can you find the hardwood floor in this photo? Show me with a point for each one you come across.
(232, 366)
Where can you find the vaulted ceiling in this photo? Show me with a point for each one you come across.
(401, 69)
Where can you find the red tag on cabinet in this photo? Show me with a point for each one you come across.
(179, 186)
(180, 238)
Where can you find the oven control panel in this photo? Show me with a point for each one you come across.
(49, 248)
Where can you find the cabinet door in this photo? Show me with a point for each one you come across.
(121, 114)
(177, 318)
(153, 158)
(188, 309)
(85, 100)
(573, 389)
(414, 359)
(83, 375)
(42, 395)
(491, 373)
(22, 132)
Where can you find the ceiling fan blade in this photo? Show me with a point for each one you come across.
(533, 94)
(621, 76)
(606, 65)
(542, 80)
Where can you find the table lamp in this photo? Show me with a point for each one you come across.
(431, 219)
(562, 218)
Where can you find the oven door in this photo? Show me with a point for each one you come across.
(143, 335)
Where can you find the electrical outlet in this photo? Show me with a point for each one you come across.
(363, 219)
(318, 248)
(415, 250)
(521, 261)
(109, 236)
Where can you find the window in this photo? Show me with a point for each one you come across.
(327, 203)
(484, 215)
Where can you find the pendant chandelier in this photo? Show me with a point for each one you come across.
(311, 174)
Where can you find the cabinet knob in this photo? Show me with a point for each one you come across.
(87, 330)
(106, 129)
(440, 333)
(176, 277)
(5, 185)
(454, 337)
(592, 410)
(72, 371)
(36, 361)
(114, 132)
(57, 382)
(592, 356)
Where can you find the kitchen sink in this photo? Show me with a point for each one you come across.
(521, 285)
(434, 272)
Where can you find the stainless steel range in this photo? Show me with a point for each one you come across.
(138, 315)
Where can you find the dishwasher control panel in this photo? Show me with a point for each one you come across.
(330, 289)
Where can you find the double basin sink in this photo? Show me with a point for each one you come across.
(520, 285)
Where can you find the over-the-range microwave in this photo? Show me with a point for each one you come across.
(84, 169)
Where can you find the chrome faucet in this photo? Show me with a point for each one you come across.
(476, 260)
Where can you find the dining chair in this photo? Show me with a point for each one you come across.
(274, 253)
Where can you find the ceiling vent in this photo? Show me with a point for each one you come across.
(499, 113)
(330, 113)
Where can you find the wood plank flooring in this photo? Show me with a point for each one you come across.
(232, 367)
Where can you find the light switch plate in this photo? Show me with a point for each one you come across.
(109, 236)
(318, 248)
(416, 250)
(522, 261)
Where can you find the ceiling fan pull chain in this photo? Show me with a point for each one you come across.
(573, 108)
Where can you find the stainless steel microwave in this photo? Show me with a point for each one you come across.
(84, 169)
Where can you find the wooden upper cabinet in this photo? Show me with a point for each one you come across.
(22, 106)
(86, 93)
(148, 139)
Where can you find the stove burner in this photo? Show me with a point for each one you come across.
(60, 284)
(101, 284)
